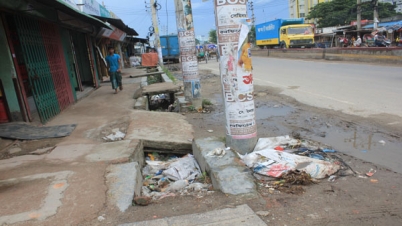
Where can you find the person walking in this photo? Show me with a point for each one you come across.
(113, 65)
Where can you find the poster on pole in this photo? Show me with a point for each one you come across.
(236, 68)
(188, 53)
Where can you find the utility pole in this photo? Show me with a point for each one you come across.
(188, 54)
(376, 19)
(251, 5)
(359, 16)
(236, 74)
(156, 30)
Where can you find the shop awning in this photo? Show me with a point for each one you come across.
(393, 24)
(67, 9)
(142, 40)
(119, 24)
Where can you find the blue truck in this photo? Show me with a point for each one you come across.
(285, 33)
(170, 48)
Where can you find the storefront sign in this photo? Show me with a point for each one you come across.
(71, 3)
(115, 34)
(236, 68)
(92, 7)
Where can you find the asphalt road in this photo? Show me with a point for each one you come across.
(353, 88)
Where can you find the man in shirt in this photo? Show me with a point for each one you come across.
(113, 65)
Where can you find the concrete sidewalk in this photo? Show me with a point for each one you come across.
(83, 175)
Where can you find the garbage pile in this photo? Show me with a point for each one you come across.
(287, 163)
(169, 175)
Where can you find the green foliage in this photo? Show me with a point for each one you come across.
(212, 36)
(169, 74)
(206, 102)
(341, 12)
(197, 41)
(191, 108)
(154, 79)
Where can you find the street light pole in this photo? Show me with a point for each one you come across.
(156, 31)
(236, 74)
(188, 55)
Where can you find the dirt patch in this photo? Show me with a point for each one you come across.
(23, 196)
(18, 148)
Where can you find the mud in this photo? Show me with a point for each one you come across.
(276, 114)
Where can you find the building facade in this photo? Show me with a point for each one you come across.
(49, 56)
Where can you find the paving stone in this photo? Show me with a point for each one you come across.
(227, 174)
(124, 182)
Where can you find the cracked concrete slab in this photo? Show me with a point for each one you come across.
(161, 130)
(69, 153)
(50, 203)
(239, 216)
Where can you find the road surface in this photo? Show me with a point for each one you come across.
(353, 88)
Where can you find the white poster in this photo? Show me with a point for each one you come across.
(236, 69)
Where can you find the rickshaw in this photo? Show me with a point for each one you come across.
(202, 55)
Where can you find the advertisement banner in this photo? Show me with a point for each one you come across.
(188, 52)
(91, 7)
(236, 68)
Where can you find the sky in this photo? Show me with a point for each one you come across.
(136, 14)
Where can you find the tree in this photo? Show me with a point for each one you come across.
(212, 36)
(252, 35)
(197, 41)
(340, 12)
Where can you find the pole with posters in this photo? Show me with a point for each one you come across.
(156, 30)
(236, 71)
(188, 54)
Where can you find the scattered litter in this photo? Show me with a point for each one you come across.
(364, 151)
(101, 218)
(300, 163)
(267, 161)
(371, 172)
(328, 150)
(185, 168)
(279, 148)
(168, 176)
(115, 136)
(177, 185)
(381, 142)
(374, 181)
(363, 177)
(332, 178)
(217, 152)
(210, 131)
(262, 213)
(316, 156)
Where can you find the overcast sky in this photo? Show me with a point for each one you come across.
(135, 14)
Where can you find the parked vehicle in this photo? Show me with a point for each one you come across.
(285, 33)
(170, 48)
